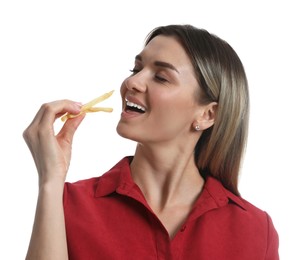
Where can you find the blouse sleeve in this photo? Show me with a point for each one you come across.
(272, 242)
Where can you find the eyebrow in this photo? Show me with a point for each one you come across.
(160, 63)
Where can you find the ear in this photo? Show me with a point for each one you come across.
(206, 118)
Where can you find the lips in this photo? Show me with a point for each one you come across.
(134, 105)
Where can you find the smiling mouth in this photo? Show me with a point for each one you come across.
(130, 106)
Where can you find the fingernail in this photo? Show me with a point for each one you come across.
(78, 104)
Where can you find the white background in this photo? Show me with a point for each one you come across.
(81, 49)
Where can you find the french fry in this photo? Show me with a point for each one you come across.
(96, 100)
(89, 107)
(97, 109)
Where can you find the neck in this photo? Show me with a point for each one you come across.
(166, 176)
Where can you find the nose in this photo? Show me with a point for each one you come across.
(136, 83)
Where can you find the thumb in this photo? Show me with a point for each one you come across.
(68, 130)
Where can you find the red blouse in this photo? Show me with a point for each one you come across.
(108, 217)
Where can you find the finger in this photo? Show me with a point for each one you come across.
(34, 122)
(68, 130)
(54, 109)
(42, 124)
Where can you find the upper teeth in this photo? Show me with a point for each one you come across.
(131, 104)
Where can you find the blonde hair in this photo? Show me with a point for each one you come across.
(222, 79)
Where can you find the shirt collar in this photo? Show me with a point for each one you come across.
(221, 195)
(118, 179)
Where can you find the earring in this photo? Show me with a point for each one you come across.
(197, 128)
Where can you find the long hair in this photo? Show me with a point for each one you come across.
(222, 79)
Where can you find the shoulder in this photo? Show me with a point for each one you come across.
(106, 183)
(236, 224)
(237, 211)
(250, 211)
(260, 224)
(81, 185)
(262, 216)
(263, 222)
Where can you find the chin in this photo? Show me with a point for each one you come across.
(125, 133)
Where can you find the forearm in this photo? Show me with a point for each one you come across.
(48, 240)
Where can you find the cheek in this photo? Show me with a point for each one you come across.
(173, 105)
(174, 113)
(163, 107)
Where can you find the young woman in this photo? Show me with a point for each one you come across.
(186, 104)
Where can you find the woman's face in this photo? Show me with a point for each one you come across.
(159, 98)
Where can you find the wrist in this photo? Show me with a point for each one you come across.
(54, 185)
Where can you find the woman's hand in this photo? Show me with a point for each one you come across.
(51, 152)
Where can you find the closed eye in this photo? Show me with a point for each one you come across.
(159, 78)
(134, 71)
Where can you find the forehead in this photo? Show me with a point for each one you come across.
(166, 48)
